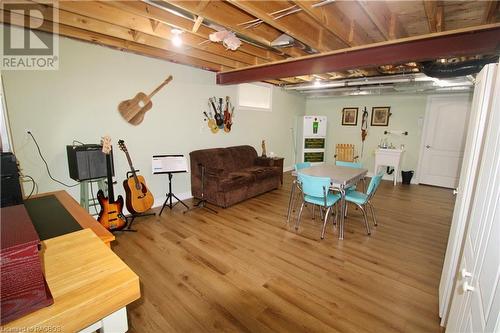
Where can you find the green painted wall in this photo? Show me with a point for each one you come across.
(407, 114)
(79, 102)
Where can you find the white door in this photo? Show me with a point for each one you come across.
(475, 305)
(444, 140)
(480, 110)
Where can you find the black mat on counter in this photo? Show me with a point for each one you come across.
(50, 218)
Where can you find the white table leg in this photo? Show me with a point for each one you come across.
(395, 176)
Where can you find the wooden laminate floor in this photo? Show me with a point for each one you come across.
(245, 270)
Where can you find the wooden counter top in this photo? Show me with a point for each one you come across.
(87, 280)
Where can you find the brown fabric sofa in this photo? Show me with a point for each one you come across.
(232, 175)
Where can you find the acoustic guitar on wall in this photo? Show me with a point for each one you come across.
(133, 110)
(138, 198)
(111, 214)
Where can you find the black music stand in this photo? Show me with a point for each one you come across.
(169, 164)
(170, 196)
(202, 203)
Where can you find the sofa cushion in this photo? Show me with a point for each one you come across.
(243, 156)
(236, 180)
(262, 172)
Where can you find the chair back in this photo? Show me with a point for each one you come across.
(355, 165)
(300, 166)
(345, 152)
(314, 186)
(374, 183)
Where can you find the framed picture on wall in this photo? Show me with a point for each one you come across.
(380, 115)
(349, 116)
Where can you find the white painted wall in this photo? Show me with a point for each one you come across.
(79, 101)
(407, 114)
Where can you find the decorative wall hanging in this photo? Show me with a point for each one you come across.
(133, 110)
(364, 129)
(349, 116)
(380, 115)
(222, 116)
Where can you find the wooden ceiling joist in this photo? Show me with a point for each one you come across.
(156, 14)
(116, 43)
(348, 31)
(96, 17)
(386, 22)
(312, 35)
(434, 13)
(230, 17)
(469, 41)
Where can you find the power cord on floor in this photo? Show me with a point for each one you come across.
(46, 164)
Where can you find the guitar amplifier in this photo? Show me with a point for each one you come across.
(86, 162)
(24, 289)
(10, 185)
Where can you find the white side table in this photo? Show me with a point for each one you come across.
(390, 158)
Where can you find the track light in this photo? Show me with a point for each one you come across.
(177, 38)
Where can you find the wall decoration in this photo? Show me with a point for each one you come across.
(349, 116)
(380, 115)
(222, 116)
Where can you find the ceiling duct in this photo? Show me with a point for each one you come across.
(453, 69)
(283, 41)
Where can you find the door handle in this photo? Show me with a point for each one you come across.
(465, 274)
(467, 287)
(427, 146)
(455, 191)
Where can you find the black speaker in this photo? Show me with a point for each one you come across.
(10, 186)
(87, 162)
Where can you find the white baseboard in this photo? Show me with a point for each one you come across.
(288, 168)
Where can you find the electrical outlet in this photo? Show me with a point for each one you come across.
(27, 137)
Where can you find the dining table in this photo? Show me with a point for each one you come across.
(341, 178)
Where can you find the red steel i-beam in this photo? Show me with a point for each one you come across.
(450, 44)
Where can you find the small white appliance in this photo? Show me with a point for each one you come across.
(311, 136)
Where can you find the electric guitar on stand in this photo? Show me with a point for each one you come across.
(138, 198)
(111, 214)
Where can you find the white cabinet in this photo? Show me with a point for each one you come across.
(388, 157)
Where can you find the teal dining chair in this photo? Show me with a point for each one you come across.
(291, 202)
(355, 165)
(316, 191)
(362, 200)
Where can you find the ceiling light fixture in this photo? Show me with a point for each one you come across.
(177, 38)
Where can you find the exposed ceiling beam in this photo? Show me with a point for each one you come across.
(469, 41)
(491, 11)
(102, 18)
(309, 34)
(229, 17)
(386, 22)
(434, 13)
(138, 36)
(162, 15)
(348, 31)
(116, 43)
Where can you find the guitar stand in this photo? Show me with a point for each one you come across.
(132, 217)
(170, 196)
